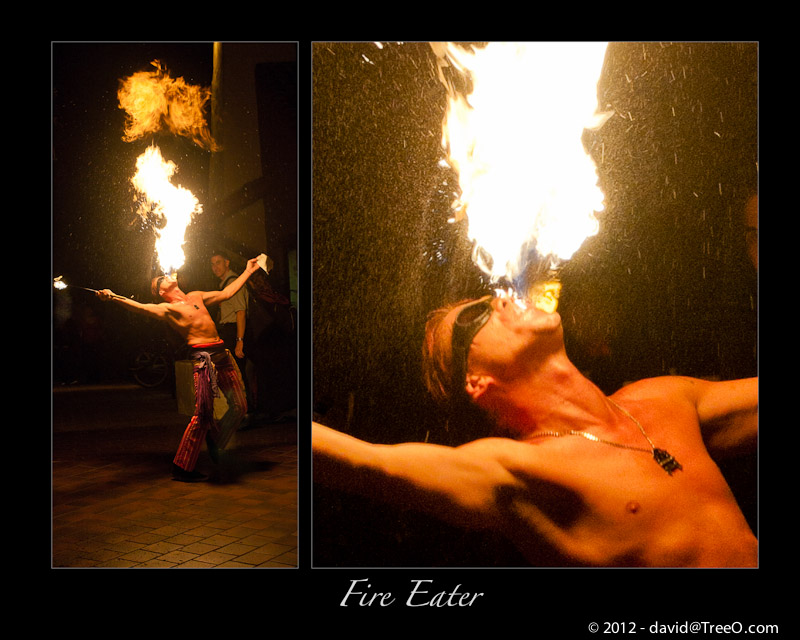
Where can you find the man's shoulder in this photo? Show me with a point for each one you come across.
(495, 446)
(658, 387)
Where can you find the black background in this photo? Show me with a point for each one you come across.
(666, 285)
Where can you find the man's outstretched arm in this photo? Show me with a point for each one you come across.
(456, 484)
(215, 297)
(153, 310)
(728, 412)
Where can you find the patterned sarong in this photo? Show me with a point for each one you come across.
(214, 371)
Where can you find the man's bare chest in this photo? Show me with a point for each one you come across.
(188, 311)
(610, 506)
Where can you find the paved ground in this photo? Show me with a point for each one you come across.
(114, 503)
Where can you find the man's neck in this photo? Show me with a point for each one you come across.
(553, 397)
(176, 296)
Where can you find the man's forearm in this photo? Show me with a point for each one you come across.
(132, 305)
(138, 307)
(337, 456)
(241, 324)
(447, 483)
(237, 284)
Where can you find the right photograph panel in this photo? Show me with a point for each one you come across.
(535, 304)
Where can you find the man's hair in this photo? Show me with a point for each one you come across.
(437, 356)
(155, 284)
(464, 420)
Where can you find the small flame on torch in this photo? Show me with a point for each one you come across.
(59, 284)
(516, 142)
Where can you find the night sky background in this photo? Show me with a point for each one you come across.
(665, 287)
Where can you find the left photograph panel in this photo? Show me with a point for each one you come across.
(174, 199)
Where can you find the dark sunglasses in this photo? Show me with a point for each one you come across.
(468, 322)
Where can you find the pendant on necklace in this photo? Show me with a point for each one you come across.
(666, 461)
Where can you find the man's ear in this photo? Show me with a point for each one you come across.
(478, 384)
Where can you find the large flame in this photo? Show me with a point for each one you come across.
(515, 140)
(152, 101)
(173, 206)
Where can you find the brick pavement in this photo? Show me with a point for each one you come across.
(114, 503)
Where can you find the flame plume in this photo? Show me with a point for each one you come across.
(152, 101)
(515, 140)
(174, 206)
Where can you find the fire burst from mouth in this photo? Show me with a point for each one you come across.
(173, 205)
(516, 142)
(153, 101)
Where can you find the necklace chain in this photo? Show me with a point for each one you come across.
(636, 422)
(662, 457)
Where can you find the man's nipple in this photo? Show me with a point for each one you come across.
(632, 507)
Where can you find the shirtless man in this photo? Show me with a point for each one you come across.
(214, 367)
(569, 476)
